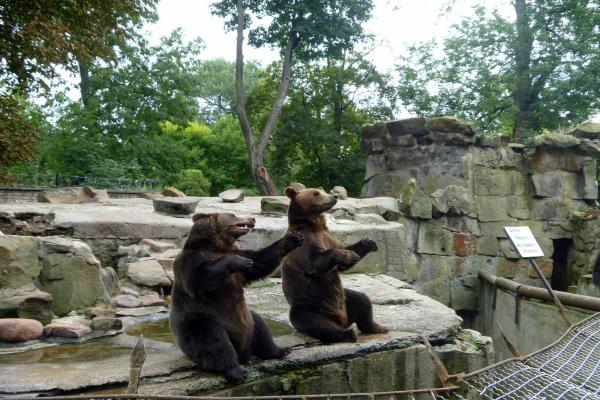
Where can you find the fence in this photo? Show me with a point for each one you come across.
(60, 180)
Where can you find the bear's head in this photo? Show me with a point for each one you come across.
(308, 203)
(220, 230)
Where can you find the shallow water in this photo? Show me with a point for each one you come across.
(107, 347)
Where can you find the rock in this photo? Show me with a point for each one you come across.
(407, 196)
(129, 291)
(16, 330)
(554, 139)
(451, 125)
(173, 192)
(140, 311)
(134, 251)
(156, 245)
(274, 205)
(587, 130)
(72, 195)
(67, 329)
(370, 219)
(26, 302)
(126, 301)
(178, 206)
(71, 274)
(102, 311)
(557, 184)
(453, 200)
(409, 126)
(340, 192)
(107, 324)
(151, 195)
(152, 299)
(19, 263)
(147, 273)
(434, 239)
(232, 196)
(297, 186)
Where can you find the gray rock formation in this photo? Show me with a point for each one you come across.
(177, 206)
(232, 195)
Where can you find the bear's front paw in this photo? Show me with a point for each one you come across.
(369, 245)
(236, 374)
(240, 264)
(293, 241)
(346, 259)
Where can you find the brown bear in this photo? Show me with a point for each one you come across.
(209, 317)
(320, 306)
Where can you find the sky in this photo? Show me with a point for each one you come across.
(395, 24)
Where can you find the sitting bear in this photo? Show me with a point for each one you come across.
(320, 306)
(209, 317)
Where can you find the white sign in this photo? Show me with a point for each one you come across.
(524, 241)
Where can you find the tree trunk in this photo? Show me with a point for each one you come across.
(84, 85)
(256, 151)
(524, 97)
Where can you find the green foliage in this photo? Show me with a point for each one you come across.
(473, 73)
(317, 139)
(193, 183)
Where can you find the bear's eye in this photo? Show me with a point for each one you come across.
(317, 193)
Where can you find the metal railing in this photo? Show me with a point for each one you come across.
(60, 180)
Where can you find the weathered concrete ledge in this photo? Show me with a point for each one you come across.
(376, 362)
(106, 226)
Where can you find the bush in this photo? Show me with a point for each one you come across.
(193, 183)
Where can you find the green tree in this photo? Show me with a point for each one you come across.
(36, 37)
(302, 30)
(322, 120)
(537, 72)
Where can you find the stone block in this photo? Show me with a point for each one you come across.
(375, 165)
(421, 207)
(487, 245)
(147, 273)
(587, 130)
(546, 266)
(556, 184)
(172, 192)
(464, 293)
(72, 195)
(106, 324)
(590, 182)
(19, 263)
(497, 182)
(507, 250)
(16, 330)
(178, 206)
(374, 131)
(519, 207)
(554, 139)
(274, 205)
(434, 239)
(453, 200)
(548, 209)
(157, 246)
(232, 196)
(464, 244)
(451, 125)
(492, 208)
(409, 126)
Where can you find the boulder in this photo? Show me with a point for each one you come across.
(274, 205)
(126, 301)
(73, 195)
(587, 130)
(151, 195)
(232, 196)
(107, 324)
(26, 302)
(340, 192)
(172, 192)
(178, 206)
(71, 274)
(19, 263)
(67, 329)
(157, 246)
(16, 330)
(453, 200)
(451, 125)
(147, 273)
(152, 299)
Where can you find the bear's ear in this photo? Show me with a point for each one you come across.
(199, 216)
(290, 192)
(321, 188)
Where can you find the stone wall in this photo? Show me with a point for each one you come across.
(29, 195)
(457, 190)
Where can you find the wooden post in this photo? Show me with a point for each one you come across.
(138, 356)
(561, 308)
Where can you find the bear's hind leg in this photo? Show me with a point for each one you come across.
(263, 345)
(206, 343)
(360, 310)
(317, 325)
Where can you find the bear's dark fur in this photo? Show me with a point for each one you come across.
(209, 317)
(320, 306)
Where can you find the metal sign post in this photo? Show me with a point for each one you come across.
(524, 242)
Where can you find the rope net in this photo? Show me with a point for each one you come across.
(567, 369)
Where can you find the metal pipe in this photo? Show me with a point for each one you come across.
(568, 299)
(552, 293)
